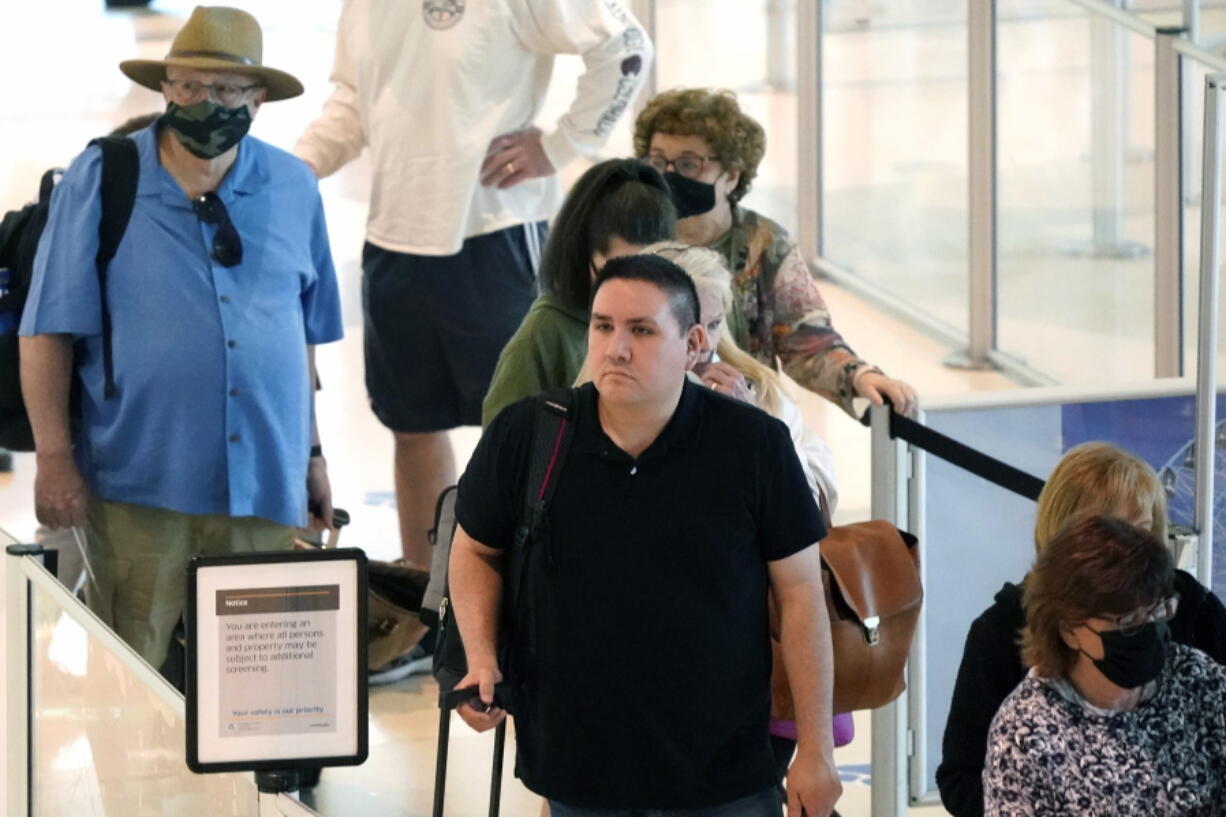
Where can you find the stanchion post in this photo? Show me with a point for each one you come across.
(1207, 329)
(809, 128)
(17, 697)
(889, 723)
(981, 168)
(1168, 204)
(1191, 174)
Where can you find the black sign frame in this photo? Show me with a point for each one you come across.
(288, 557)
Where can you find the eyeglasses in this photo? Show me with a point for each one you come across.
(1131, 623)
(189, 91)
(227, 246)
(689, 165)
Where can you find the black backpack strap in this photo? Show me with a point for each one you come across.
(553, 427)
(46, 185)
(120, 174)
(551, 437)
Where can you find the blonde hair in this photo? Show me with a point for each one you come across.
(1099, 478)
(707, 269)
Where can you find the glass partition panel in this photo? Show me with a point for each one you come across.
(894, 142)
(104, 741)
(750, 48)
(1076, 195)
(987, 532)
(1212, 24)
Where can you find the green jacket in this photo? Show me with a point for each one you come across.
(546, 352)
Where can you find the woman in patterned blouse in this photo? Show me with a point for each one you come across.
(1113, 720)
(709, 151)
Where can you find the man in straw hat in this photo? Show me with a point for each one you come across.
(445, 93)
(219, 289)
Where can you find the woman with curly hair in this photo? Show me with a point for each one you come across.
(709, 151)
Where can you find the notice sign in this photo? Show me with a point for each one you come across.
(278, 676)
(276, 669)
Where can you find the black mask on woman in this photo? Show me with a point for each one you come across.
(205, 128)
(690, 196)
(1131, 661)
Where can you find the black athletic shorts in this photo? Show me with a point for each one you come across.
(435, 325)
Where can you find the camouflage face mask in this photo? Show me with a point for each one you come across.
(205, 128)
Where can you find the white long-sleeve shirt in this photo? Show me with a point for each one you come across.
(816, 458)
(427, 86)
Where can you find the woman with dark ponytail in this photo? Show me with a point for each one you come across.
(615, 208)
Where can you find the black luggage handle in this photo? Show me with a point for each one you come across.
(454, 698)
(447, 702)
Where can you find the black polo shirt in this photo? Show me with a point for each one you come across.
(644, 652)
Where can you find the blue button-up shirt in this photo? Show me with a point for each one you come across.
(213, 414)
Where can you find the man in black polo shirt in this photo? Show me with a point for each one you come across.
(641, 646)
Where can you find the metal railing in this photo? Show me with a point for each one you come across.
(1207, 330)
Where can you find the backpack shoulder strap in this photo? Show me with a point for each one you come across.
(553, 427)
(551, 437)
(120, 175)
(46, 185)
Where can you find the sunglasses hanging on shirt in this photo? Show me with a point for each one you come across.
(227, 246)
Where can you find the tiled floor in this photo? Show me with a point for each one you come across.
(63, 88)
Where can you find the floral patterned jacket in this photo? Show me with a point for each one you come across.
(1051, 755)
(779, 312)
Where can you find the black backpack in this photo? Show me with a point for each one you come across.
(551, 436)
(20, 232)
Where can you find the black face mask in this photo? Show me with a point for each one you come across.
(205, 128)
(690, 197)
(1131, 661)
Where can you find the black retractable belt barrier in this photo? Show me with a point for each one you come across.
(961, 455)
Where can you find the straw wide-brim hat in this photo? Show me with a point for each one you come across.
(216, 38)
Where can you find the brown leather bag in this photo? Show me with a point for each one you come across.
(870, 574)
